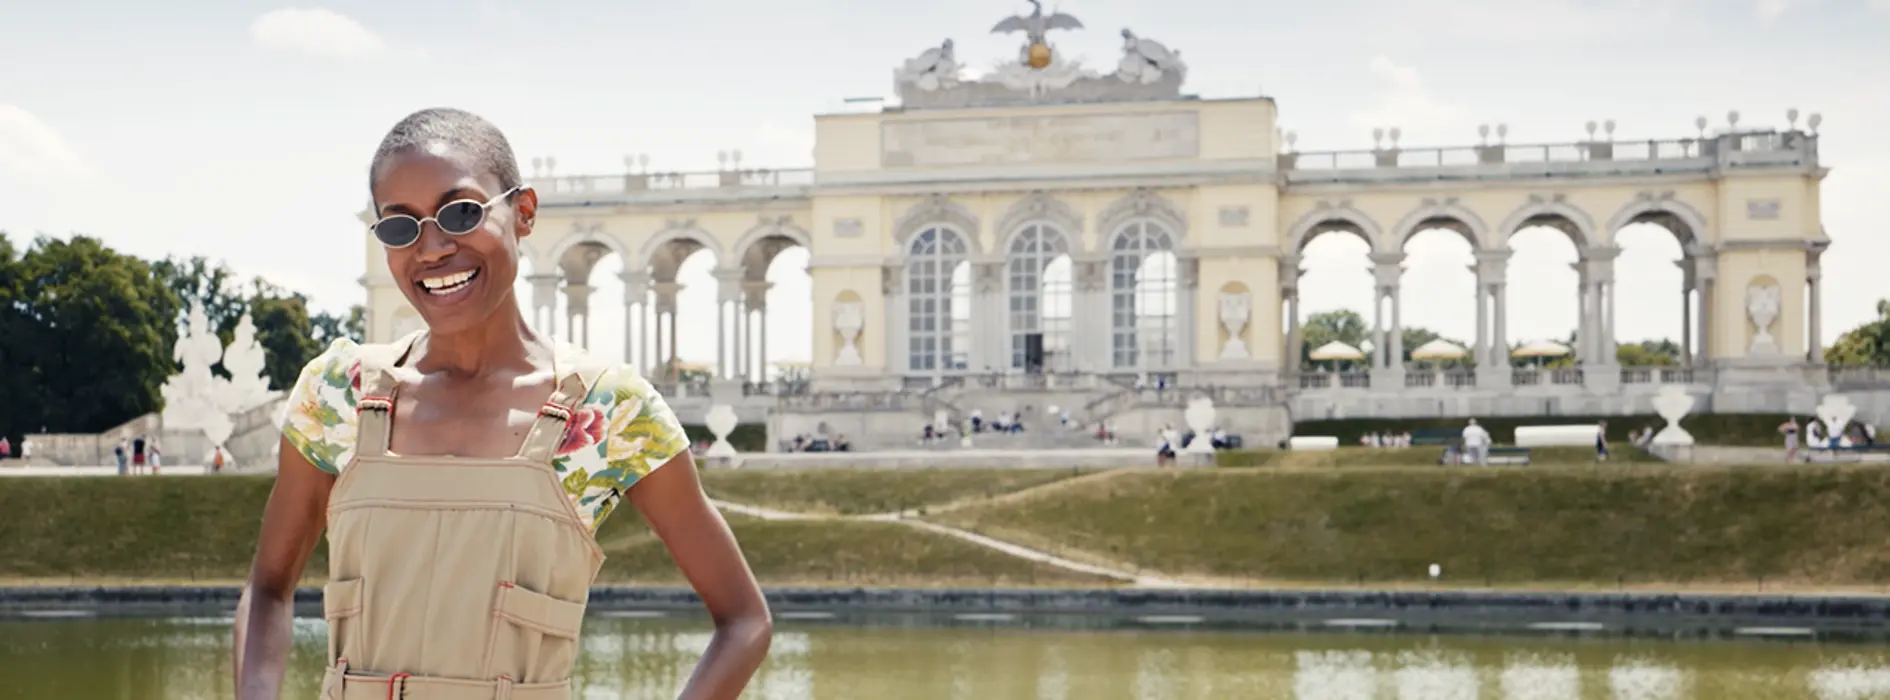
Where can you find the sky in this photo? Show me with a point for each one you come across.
(241, 130)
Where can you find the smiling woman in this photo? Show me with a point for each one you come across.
(484, 496)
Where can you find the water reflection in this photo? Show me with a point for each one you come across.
(639, 659)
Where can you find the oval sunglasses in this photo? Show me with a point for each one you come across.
(457, 218)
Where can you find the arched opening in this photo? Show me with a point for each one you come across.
(683, 285)
(1664, 329)
(938, 301)
(774, 275)
(1545, 297)
(1439, 276)
(1143, 293)
(591, 300)
(1039, 285)
(1333, 300)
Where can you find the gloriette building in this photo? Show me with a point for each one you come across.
(1100, 242)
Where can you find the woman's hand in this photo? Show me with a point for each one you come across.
(292, 524)
(671, 500)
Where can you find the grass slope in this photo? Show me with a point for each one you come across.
(853, 491)
(1524, 525)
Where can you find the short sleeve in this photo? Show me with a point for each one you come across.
(319, 418)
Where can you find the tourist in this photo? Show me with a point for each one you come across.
(439, 501)
(6, 450)
(1814, 436)
(157, 458)
(1601, 441)
(216, 460)
(118, 451)
(1789, 429)
(137, 455)
(1165, 446)
(1476, 442)
(977, 420)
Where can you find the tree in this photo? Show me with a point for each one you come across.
(1344, 326)
(17, 378)
(1867, 345)
(281, 319)
(328, 327)
(91, 331)
(283, 331)
(1648, 353)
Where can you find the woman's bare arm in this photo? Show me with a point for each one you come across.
(292, 524)
(671, 499)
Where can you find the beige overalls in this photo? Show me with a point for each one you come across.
(454, 578)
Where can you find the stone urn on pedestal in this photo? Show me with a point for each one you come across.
(1235, 307)
(848, 319)
(721, 421)
(1673, 443)
(1200, 418)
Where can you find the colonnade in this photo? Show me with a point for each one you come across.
(651, 322)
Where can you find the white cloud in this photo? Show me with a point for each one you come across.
(30, 148)
(315, 31)
(1406, 104)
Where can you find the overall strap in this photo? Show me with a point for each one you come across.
(375, 406)
(541, 444)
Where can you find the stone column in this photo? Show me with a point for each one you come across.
(577, 302)
(755, 339)
(1603, 275)
(1481, 353)
(1814, 340)
(545, 304)
(1388, 269)
(1686, 312)
(1187, 298)
(990, 319)
(1493, 362)
(664, 340)
(636, 294)
(1092, 333)
(1705, 270)
(1289, 292)
(892, 289)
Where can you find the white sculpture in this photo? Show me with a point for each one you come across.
(848, 319)
(1673, 403)
(1147, 61)
(1235, 308)
(930, 71)
(1836, 411)
(245, 360)
(1058, 75)
(1200, 417)
(194, 399)
(1762, 305)
(721, 421)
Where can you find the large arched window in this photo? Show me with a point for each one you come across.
(938, 301)
(1142, 293)
(1040, 290)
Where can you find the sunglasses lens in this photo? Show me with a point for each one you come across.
(397, 231)
(461, 217)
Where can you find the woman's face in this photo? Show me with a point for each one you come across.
(457, 282)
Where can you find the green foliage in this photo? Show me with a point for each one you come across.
(328, 327)
(1867, 345)
(1347, 326)
(1648, 353)
(746, 437)
(87, 338)
(283, 326)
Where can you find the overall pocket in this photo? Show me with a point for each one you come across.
(534, 636)
(341, 604)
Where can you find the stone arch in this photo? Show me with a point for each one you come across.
(1330, 218)
(772, 226)
(582, 233)
(1663, 211)
(1044, 209)
(1140, 204)
(1444, 214)
(681, 230)
(1554, 213)
(937, 210)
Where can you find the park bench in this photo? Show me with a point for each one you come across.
(1436, 436)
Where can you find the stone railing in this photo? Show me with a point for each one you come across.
(852, 401)
(631, 183)
(1747, 148)
(1860, 377)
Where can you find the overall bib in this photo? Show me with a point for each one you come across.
(454, 578)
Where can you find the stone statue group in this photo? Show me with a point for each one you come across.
(195, 399)
(1145, 63)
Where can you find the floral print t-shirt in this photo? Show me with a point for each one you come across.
(622, 430)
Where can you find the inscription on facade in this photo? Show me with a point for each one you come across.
(848, 228)
(1762, 209)
(1040, 139)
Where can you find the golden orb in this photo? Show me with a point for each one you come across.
(1039, 56)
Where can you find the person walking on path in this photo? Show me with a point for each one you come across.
(137, 455)
(1789, 429)
(6, 448)
(461, 472)
(118, 452)
(1601, 441)
(157, 458)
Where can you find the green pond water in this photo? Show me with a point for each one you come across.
(638, 659)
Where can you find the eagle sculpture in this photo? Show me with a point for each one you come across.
(1037, 24)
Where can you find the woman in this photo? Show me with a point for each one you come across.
(461, 471)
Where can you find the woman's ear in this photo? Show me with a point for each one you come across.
(527, 207)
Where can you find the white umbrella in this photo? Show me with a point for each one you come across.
(1438, 349)
(1336, 350)
(1541, 348)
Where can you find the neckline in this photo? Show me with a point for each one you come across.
(517, 457)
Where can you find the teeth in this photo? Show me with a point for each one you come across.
(447, 284)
